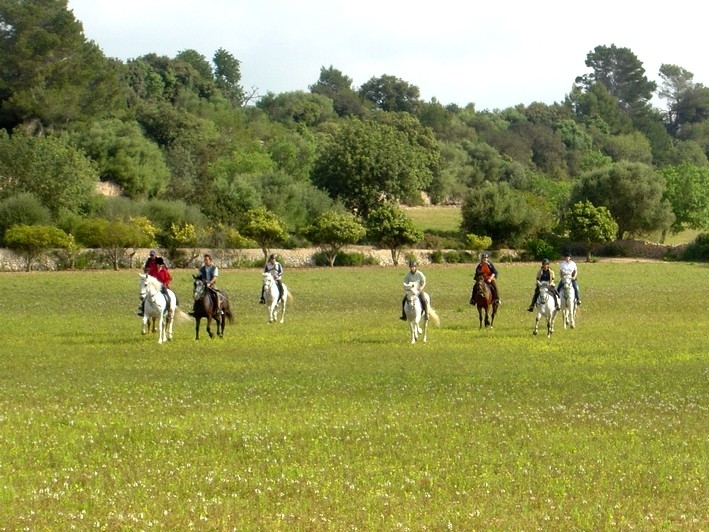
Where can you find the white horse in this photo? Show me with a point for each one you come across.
(414, 312)
(568, 301)
(546, 306)
(270, 295)
(157, 307)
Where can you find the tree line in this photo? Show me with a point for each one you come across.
(200, 161)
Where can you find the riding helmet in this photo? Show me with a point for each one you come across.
(545, 261)
(412, 264)
(484, 256)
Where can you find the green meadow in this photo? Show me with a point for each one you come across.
(334, 421)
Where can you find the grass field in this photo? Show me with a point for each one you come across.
(333, 421)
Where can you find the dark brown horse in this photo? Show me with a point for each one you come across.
(485, 301)
(212, 305)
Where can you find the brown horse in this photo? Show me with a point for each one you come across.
(484, 299)
(211, 305)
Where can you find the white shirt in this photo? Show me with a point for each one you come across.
(567, 267)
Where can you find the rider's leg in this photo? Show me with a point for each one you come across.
(576, 288)
(403, 312)
(422, 299)
(557, 298)
(534, 299)
(262, 301)
(141, 308)
(496, 294)
(279, 284)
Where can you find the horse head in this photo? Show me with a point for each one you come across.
(200, 288)
(543, 292)
(411, 289)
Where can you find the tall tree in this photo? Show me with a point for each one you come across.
(49, 73)
(687, 189)
(227, 73)
(332, 231)
(621, 73)
(390, 93)
(338, 87)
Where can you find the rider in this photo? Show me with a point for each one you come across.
(545, 274)
(489, 272)
(162, 274)
(208, 274)
(276, 270)
(151, 263)
(568, 267)
(414, 276)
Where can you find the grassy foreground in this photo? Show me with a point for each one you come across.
(333, 421)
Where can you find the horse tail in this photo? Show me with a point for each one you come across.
(181, 317)
(228, 314)
(289, 297)
(433, 315)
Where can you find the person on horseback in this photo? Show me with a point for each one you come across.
(545, 274)
(208, 274)
(276, 270)
(151, 263)
(414, 276)
(162, 274)
(489, 272)
(568, 267)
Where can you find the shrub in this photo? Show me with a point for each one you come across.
(345, 259)
(538, 249)
(699, 249)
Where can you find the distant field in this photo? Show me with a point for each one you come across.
(448, 218)
(333, 421)
(435, 218)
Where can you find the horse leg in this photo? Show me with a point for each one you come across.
(480, 316)
(196, 332)
(536, 324)
(144, 330)
(487, 317)
(209, 326)
(283, 309)
(425, 329)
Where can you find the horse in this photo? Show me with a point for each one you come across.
(157, 307)
(546, 306)
(568, 301)
(270, 295)
(207, 306)
(485, 301)
(414, 312)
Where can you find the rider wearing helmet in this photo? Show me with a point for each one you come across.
(489, 272)
(414, 276)
(545, 274)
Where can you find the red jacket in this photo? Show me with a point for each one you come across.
(163, 275)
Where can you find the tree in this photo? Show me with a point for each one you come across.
(113, 238)
(497, 211)
(335, 85)
(365, 164)
(687, 190)
(390, 93)
(332, 231)
(265, 228)
(58, 174)
(632, 192)
(390, 227)
(49, 73)
(124, 156)
(32, 241)
(621, 73)
(590, 225)
(227, 73)
(22, 209)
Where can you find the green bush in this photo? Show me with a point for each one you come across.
(699, 249)
(345, 259)
(538, 249)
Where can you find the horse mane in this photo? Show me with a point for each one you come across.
(152, 281)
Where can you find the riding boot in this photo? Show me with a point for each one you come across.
(403, 312)
(262, 301)
(141, 308)
(472, 297)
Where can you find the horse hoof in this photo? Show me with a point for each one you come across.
(534, 333)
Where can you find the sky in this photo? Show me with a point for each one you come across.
(491, 54)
